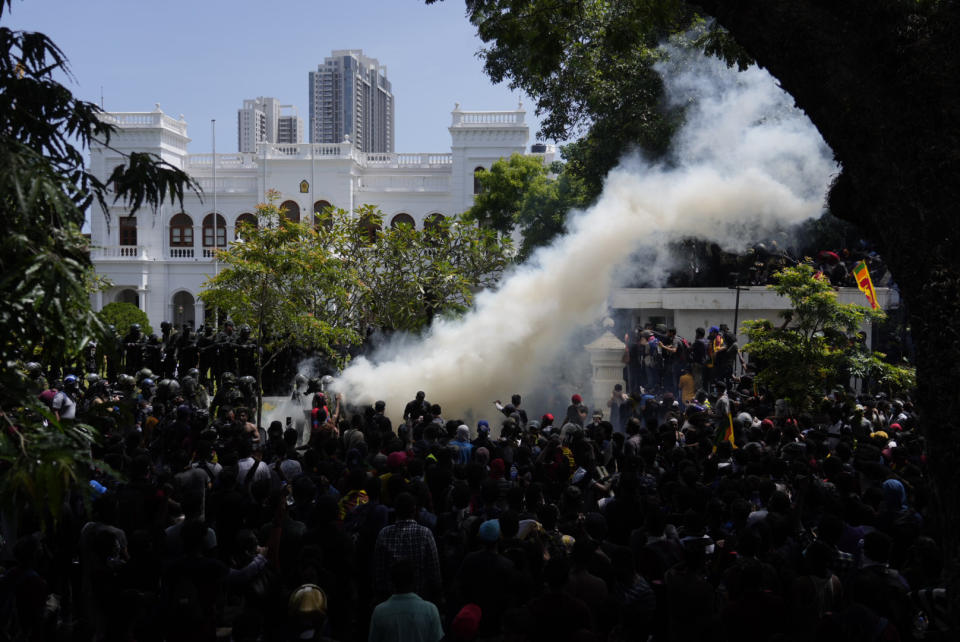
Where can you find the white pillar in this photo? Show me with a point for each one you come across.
(606, 360)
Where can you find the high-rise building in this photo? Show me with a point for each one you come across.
(289, 126)
(351, 96)
(265, 120)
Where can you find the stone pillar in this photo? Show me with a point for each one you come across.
(606, 360)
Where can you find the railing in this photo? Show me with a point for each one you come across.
(485, 118)
(304, 151)
(119, 252)
(181, 252)
(144, 120)
(376, 159)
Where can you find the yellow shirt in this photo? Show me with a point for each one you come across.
(687, 387)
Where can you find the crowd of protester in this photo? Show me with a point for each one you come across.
(707, 265)
(690, 506)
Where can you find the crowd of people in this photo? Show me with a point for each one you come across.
(684, 508)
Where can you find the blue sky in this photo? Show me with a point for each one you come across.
(202, 58)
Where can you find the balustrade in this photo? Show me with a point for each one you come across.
(119, 252)
(467, 118)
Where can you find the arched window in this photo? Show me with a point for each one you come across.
(181, 231)
(291, 211)
(209, 229)
(320, 211)
(433, 221)
(402, 219)
(372, 226)
(128, 295)
(243, 219)
(183, 309)
(476, 178)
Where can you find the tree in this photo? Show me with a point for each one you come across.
(817, 347)
(520, 194)
(606, 92)
(880, 80)
(404, 277)
(45, 269)
(122, 315)
(280, 279)
(323, 286)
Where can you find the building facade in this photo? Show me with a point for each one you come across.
(350, 96)
(159, 260)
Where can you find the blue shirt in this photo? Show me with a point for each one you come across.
(405, 617)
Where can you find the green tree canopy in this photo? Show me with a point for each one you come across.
(523, 194)
(323, 285)
(122, 315)
(817, 347)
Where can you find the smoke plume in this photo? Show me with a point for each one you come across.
(746, 161)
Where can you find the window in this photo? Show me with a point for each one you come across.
(243, 219)
(128, 230)
(434, 221)
(476, 179)
(320, 214)
(291, 211)
(402, 219)
(181, 231)
(209, 229)
(372, 226)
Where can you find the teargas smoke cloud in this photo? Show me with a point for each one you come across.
(746, 161)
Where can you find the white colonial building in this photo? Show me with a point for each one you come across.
(159, 260)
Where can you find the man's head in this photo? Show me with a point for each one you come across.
(405, 506)
(489, 532)
(700, 333)
(421, 395)
(515, 400)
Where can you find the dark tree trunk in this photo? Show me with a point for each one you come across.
(882, 85)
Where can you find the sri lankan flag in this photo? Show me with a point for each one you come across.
(726, 432)
(865, 284)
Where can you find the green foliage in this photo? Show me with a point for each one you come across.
(324, 286)
(282, 282)
(817, 346)
(520, 194)
(121, 315)
(45, 269)
(403, 277)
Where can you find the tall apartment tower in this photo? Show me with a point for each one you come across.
(289, 125)
(351, 96)
(265, 120)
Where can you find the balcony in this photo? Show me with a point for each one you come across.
(486, 119)
(179, 253)
(144, 120)
(119, 252)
